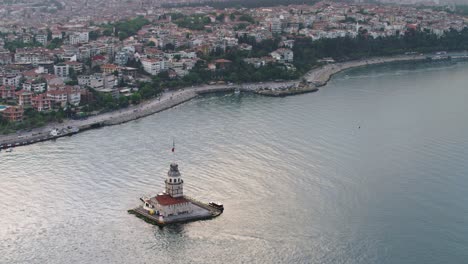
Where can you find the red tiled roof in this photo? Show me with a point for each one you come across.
(98, 57)
(166, 199)
(222, 61)
(57, 92)
(110, 66)
(72, 63)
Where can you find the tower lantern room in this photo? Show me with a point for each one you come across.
(174, 182)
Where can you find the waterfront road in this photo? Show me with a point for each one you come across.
(318, 76)
(164, 101)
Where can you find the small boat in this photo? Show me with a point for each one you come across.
(54, 132)
(216, 205)
(9, 150)
(237, 91)
(147, 206)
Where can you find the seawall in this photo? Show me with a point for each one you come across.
(320, 76)
(316, 77)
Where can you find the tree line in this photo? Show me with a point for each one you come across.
(308, 52)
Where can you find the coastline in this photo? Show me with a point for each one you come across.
(320, 76)
(315, 78)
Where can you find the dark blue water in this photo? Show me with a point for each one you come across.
(370, 169)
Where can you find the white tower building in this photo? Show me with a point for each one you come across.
(174, 182)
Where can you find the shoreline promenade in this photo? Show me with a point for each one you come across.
(317, 77)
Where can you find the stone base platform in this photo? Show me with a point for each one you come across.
(201, 211)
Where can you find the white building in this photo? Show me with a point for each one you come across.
(283, 55)
(35, 86)
(172, 202)
(94, 81)
(32, 55)
(11, 79)
(61, 97)
(79, 37)
(56, 34)
(58, 97)
(74, 96)
(98, 81)
(41, 38)
(153, 66)
(275, 26)
(61, 70)
(121, 58)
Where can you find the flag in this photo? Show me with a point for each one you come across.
(173, 146)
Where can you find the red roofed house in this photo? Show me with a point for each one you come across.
(24, 98)
(412, 26)
(76, 66)
(13, 113)
(58, 97)
(7, 92)
(109, 68)
(222, 63)
(41, 103)
(98, 60)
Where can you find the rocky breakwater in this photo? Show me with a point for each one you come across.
(290, 89)
(151, 107)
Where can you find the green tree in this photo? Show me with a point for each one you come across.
(247, 18)
(125, 29)
(220, 17)
(93, 35)
(109, 102)
(147, 91)
(96, 69)
(123, 101)
(169, 46)
(72, 74)
(136, 98)
(55, 43)
(107, 32)
(123, 35)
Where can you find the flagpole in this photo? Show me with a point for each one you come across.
(173, 150)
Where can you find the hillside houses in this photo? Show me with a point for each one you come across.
(54, 60)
